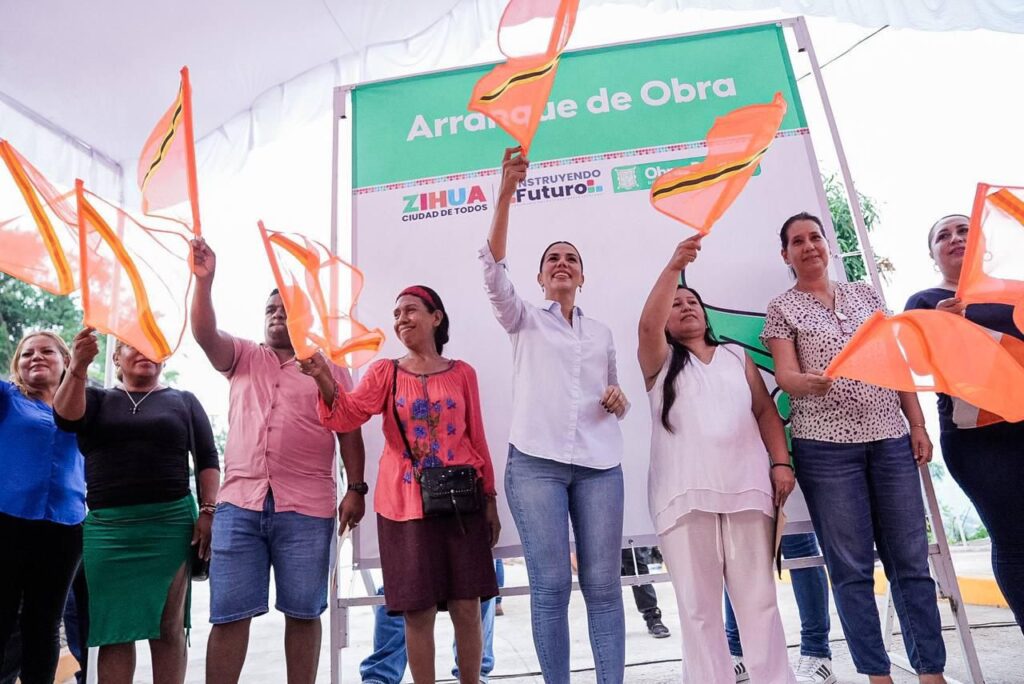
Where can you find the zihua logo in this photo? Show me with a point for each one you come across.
(558, 186)
(426, 205)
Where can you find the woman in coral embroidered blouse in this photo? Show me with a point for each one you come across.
(429, 564)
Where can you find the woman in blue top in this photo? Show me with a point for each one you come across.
(983, 452)
(42, 505)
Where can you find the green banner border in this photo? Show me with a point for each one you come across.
(777, 27)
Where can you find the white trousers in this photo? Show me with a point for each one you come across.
(703, 551)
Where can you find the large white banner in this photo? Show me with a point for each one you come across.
(424, 188)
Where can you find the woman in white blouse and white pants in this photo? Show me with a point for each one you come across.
(565, 447)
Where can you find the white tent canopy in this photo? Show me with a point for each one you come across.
(81, 84)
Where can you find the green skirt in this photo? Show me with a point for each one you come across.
(131, 555)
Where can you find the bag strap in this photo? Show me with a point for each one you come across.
(394, 407)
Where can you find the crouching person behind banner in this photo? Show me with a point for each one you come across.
(143, 520)
(713, 488)
(435, 551)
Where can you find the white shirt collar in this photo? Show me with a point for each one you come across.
(551, 305)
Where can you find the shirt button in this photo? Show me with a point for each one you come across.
(269, 429)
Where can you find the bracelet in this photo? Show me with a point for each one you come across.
(914, 425)
(83, 376)
(207, 508)
(782, 465)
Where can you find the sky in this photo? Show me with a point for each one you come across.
(923, 117)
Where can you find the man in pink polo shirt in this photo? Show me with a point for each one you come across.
(277, 502)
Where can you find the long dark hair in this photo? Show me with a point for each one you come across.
(433, 302)
(681, 357)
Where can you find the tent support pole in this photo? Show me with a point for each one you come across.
(62, 132)
(803, 39)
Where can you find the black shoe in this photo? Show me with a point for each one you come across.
(657, 629)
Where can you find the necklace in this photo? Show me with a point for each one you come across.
(135, 404)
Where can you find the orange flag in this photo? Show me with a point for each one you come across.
(167, 164)
(135, 279)
(923, 350)
(514, 94)
(313, 282)
(38, 227)
(993, 266)
(698, 195)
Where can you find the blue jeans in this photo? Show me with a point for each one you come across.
(986, 463)
(246, 544)
(386, 664)
(499, 572)
(544, 496)
(810, 588)
(863, 496)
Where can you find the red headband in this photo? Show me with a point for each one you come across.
(417, 291)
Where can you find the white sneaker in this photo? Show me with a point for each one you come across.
(740, 669)
(811, 670)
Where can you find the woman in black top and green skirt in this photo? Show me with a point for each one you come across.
(143, 520)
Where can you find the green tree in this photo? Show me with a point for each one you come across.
(846, 230)
(24, 307)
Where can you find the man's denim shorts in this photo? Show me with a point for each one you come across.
(246, 544)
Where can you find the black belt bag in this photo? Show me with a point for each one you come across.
(448, 490)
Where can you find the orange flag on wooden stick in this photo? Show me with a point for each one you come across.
(993, 266)
(927, 350)
(38, 227)
(135, 278)
(167, 164)
(313, 282)
(514, 94)
(699, 194)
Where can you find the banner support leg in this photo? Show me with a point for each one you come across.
(803, 38)
(941, 563)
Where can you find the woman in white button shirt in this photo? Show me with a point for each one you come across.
(565, 446)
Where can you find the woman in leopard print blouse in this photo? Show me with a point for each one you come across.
(854, 460)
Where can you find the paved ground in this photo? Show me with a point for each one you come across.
(649, 661)
(973, 559)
